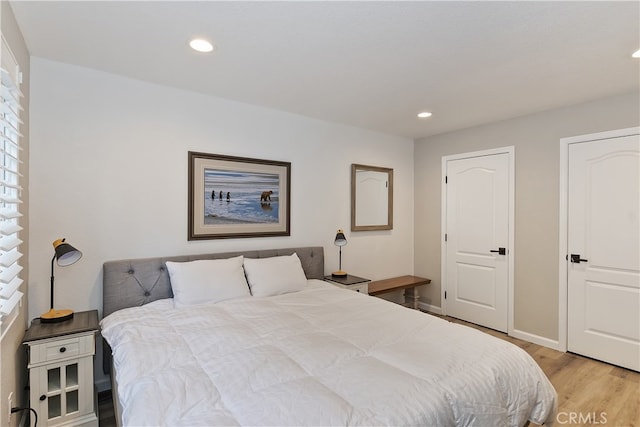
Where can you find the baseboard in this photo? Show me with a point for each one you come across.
(430, 308)
(536, 339)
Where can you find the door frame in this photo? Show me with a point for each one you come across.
(510, 151)
(563, 264)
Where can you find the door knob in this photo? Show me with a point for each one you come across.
(500, 251)
(576, 259)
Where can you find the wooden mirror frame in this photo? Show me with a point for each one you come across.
(354, 195)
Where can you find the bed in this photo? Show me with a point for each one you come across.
(313, 354)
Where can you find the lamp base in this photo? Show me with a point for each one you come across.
(339, 273)
(53, 316)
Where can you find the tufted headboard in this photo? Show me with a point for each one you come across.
(134, 282)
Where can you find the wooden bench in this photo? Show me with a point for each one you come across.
(408, 283)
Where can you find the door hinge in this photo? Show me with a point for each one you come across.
(445, 237)
(445, 294)
(446, 179)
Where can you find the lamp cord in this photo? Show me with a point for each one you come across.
(35, 414)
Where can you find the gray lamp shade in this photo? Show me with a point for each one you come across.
(66, 254)
(341, 240)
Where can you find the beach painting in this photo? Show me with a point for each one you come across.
(237, 197)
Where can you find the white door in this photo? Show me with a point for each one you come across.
(477, 230)
(603, 243)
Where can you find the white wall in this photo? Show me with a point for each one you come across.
(536, 138)
(109, 172)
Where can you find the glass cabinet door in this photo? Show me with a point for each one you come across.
(59, 396)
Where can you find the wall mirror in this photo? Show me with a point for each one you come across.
(371, 198)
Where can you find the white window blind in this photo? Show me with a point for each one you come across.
(10, 189)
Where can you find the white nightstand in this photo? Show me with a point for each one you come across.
(353, 283)
(60, 364)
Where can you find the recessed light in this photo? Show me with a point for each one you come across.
(636, 54)
(201, 45)
(424, 114)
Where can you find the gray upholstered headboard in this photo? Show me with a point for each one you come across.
(134, 282)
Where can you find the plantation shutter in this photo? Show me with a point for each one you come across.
(10, 189)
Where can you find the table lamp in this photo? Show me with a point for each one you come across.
(65, 255)
(340, 241)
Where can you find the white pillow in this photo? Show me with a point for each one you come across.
(207, 280)
(275, 275)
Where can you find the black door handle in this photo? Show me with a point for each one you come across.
(576, 258)
(500, 251)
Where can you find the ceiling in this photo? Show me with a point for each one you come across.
(373, 65)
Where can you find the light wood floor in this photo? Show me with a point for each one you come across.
(589, 392)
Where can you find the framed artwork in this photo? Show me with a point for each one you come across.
(234, 197)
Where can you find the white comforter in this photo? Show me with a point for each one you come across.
(322, 356)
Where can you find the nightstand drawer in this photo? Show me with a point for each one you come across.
(350, 282)
(59, 349)
(361, 287)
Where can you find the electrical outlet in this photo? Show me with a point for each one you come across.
(11, 405)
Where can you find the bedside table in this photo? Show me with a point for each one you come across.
(60, 363)
(353, 283)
